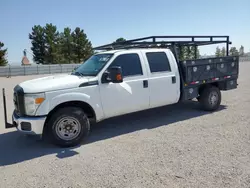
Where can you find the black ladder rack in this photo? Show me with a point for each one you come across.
(167, 42)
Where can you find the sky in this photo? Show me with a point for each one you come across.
(105, 21)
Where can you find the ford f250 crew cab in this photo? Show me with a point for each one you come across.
(121, 78)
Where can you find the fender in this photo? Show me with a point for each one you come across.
(56, 100)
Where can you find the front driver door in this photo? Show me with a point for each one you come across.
(132, 94)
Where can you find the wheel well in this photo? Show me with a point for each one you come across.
(216, 84)
(83, 105)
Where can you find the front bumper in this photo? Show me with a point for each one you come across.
(29, 125)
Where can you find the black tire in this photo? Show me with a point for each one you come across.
(69, 117)
(210, 98)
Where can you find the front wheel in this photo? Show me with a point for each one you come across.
(69, 126)
(210, 98)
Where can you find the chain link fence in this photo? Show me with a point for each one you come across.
(19, 70)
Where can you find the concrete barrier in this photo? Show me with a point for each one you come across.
(19, 70)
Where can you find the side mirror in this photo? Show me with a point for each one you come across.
(113, 74)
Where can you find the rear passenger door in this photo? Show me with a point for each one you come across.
(132, 94)
(163, 87)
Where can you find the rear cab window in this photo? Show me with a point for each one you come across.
(158, 62)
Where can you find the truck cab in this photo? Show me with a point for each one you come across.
(141, 77)
(108, 84)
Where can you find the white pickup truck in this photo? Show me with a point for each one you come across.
(116, 82)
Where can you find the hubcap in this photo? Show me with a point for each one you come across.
(213, 98)
(68, 128)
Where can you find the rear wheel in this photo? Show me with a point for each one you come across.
(210, 98)
(69, 126)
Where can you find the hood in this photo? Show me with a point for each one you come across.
(52, 83)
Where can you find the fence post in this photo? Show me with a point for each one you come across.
(24, 72)
(49, 68)
(9, 72)
(37, 68)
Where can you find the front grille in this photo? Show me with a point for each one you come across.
(16, 105)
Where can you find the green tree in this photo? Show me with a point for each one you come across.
(233, 51)
(187, 52)
(52, 55)
(218, 51)
(3, 53)
(181, 53)
(120, 39)
(66, 46)
(223, 52)
(51, 46)
(192, 55)
(82, 47)
(37, 37)
(241, 50)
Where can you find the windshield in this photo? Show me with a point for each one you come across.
(93, 65)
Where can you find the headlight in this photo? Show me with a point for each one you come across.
(32, 102)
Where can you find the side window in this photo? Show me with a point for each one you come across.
(130, 64)
(158, 61)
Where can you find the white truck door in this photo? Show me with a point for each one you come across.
(163, 78)
(132, 94)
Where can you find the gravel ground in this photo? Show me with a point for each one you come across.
(173, 146)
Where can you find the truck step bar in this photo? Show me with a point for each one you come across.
(7, 125)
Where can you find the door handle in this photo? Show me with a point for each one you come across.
(173, 79)
(145, 84)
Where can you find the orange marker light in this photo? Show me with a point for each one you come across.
(118, 77)
(39, 100)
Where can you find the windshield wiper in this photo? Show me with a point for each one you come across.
(78, 73)
(82, 74)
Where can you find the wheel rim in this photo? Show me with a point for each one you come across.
(213, 98)
(68, 128)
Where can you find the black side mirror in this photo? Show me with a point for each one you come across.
(114, 74)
